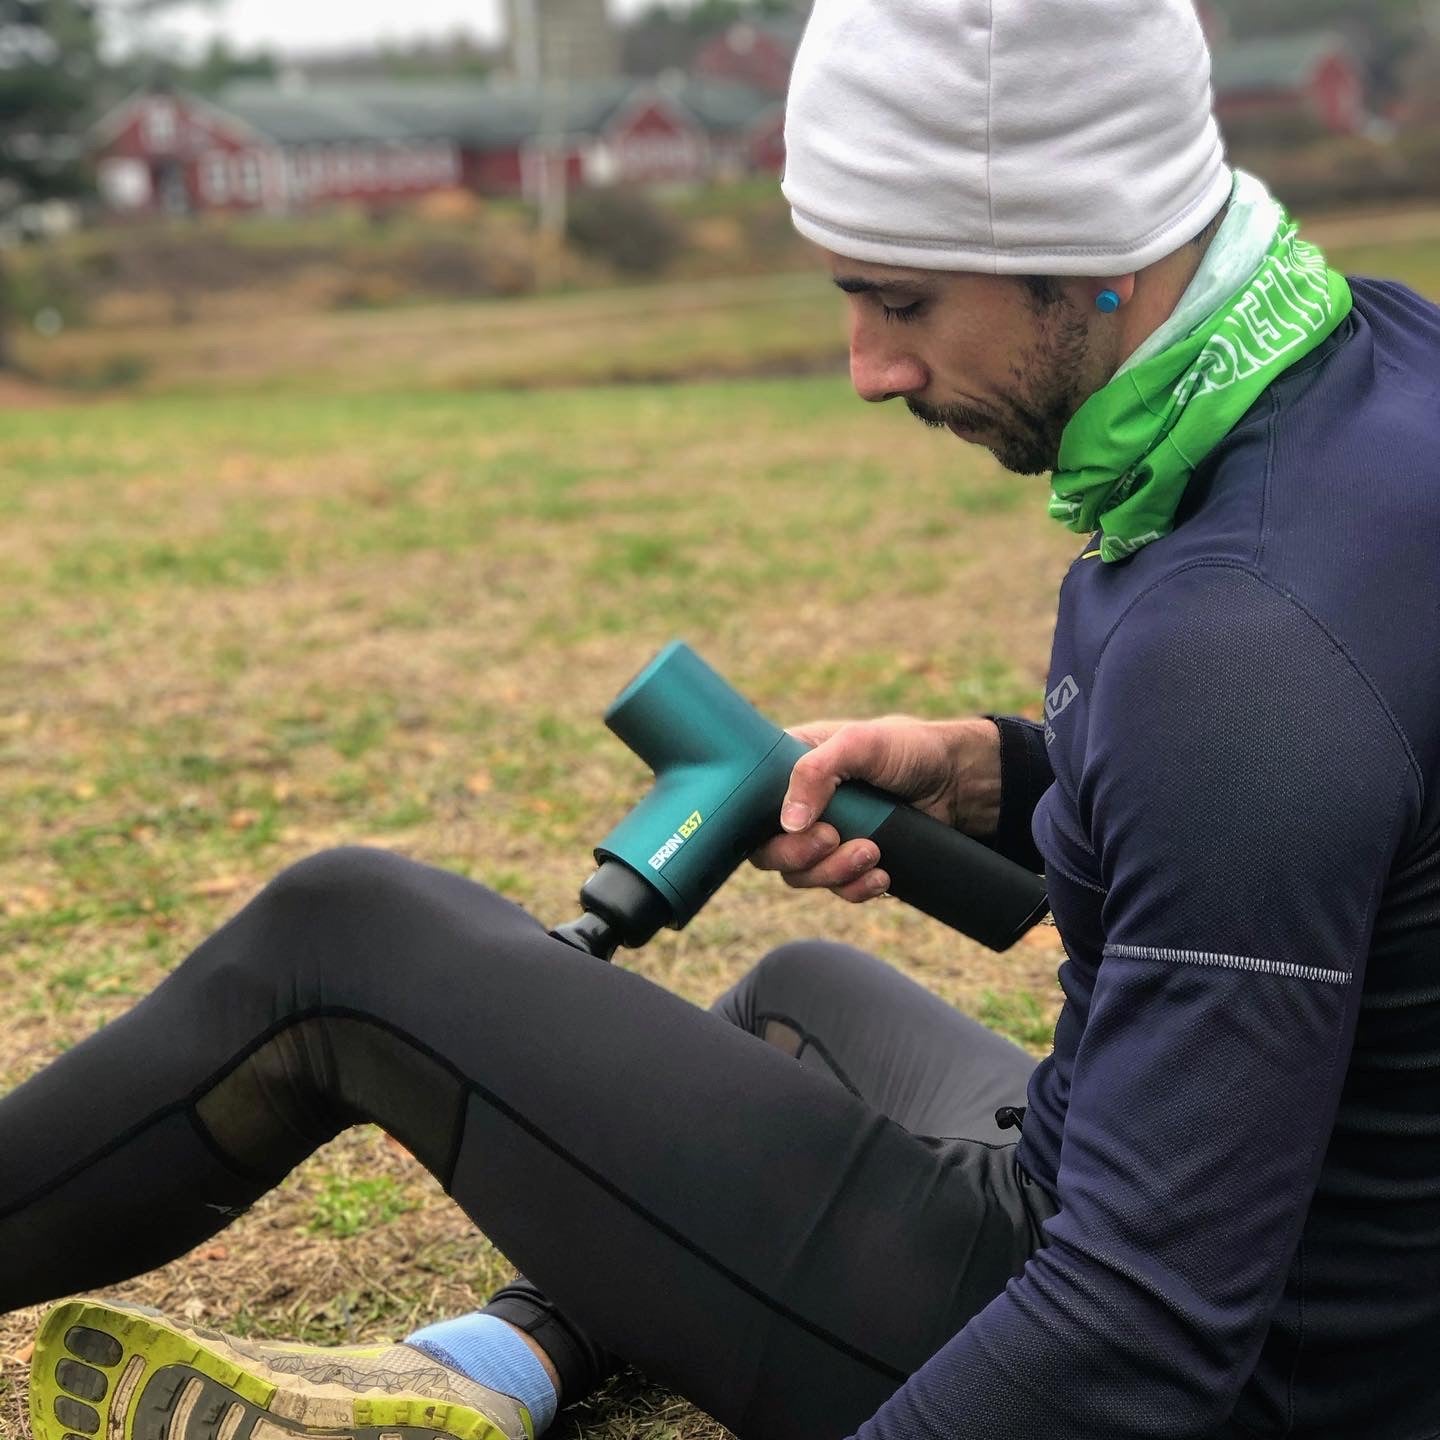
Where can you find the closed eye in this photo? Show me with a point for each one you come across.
(904, 315)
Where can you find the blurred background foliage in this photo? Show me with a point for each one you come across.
(69, 263)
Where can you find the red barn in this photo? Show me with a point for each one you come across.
(757, 53)
(261, 148)
(1314, 79)
(651, 138)
(269, 147)
(746, 129)
(609, 132)
(765, 143)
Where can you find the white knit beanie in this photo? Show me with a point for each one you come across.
(1048, 137)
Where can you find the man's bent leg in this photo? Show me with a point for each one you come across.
(738, 1226)
(899, 1047)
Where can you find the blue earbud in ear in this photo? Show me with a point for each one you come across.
(1107, 302)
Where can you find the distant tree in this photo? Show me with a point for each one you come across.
(460, 57)
(1384, 31)
(49, 62)
(708, 15)
(1384, 22)
(220, 65)
(1420, 89)
(51, 77)
(659, 39)
(1277, 17)
(665, 37)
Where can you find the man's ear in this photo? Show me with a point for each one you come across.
(1121, 285)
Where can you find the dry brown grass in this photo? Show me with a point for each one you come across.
(265, 337)
(752, 325)
(236, 630)
(233, 632)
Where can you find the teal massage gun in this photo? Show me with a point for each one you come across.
(721, 773)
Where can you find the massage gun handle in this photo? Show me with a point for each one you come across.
(957, 880)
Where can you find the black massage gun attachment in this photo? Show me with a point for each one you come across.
(620, 909)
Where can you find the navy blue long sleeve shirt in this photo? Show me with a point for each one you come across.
(1240, 1122)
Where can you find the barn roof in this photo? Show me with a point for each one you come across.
(723, 106)
(297, 117)
(1284, 62)
(476, 114)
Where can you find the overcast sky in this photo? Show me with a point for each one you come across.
(307, 25)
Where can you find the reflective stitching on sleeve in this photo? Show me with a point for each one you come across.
(1229, 962)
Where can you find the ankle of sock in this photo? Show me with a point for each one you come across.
(491, 1353)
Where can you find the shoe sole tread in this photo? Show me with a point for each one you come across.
(105, 1372)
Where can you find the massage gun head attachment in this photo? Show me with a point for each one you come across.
(620, 909)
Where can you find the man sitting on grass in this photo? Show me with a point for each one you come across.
(802, 1210)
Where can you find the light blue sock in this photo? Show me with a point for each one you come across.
(490, 1352)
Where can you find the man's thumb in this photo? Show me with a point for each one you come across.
(812, 782)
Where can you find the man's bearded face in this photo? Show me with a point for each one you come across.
(1022, 428)
(999, 361)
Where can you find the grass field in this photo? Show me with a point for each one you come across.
(786, 323)
(308, 608)
(704, 329)
(232, 634)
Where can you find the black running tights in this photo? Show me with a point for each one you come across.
(750, 1204)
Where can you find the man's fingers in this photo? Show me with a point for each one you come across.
(817, 775)
(871, 886)
(805, 803)
(812, 786)
(789, 853)
(896, 753)
(847, 865)
(817, 861)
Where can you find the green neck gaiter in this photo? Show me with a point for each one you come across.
(1127, 456)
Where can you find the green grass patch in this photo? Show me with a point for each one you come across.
(1417, 263)
(349, 1205)
(1020, 1015)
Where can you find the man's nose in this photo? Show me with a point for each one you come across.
(881, 369)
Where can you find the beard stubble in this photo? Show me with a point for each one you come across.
(1050, 386)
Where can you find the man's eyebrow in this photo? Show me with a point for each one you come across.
(855, 285)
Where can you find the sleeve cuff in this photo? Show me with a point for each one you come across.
(1025, 776)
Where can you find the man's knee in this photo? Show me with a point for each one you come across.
(313, 899)
(329, 911)
(778, 986)
(335, 879)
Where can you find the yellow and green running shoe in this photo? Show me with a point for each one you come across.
(106, 1371)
